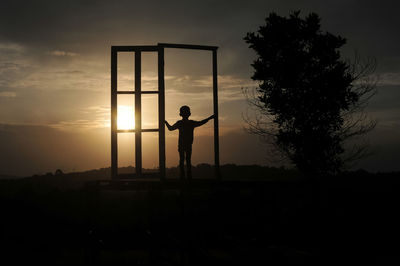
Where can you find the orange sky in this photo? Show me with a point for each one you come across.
(55, 76)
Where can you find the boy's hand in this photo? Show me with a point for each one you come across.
(170, 127)
(211, 117)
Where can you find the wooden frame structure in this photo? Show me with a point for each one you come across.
(159, 49)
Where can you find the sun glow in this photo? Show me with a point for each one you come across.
(126, 117)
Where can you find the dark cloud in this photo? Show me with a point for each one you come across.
(92, 26)
(384, 146)
(386, 99)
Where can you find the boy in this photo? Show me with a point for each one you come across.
(186, 128)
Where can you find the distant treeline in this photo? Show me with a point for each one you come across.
(77, 180)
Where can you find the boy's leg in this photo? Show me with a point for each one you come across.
(189, 162)
(181, 163)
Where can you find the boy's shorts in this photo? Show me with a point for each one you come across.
(185, 148)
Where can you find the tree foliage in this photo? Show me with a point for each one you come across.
(310, 100)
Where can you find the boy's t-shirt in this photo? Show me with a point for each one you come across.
(186, 128)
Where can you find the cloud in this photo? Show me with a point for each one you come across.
(11, 47)
(99, 118)
(14, 64)
(59, 76)
(80, 124)
(225, 82)
(7, 94)
(203, 83)
(389, 78)
(62, 53)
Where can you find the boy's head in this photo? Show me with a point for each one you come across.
(184, 111)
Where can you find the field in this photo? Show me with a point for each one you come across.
(253, 216)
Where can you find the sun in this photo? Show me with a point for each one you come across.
(126, 117)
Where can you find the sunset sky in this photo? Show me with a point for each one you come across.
(55, 77)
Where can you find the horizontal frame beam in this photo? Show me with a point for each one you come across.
(134, 130)
(188, 46)
(136, 48)
(154, 48)
(133, 92)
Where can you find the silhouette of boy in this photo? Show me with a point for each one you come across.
(186, 128)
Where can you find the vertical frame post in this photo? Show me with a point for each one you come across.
(161, 112)
(114, 135)
(138, 114)
(215, 105)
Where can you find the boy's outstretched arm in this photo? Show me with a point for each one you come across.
(173, 127)
(202, 122)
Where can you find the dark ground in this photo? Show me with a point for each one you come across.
(254, 216)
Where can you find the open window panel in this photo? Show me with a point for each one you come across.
(189, 84)
(148, 79)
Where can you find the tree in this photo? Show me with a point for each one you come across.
(310, 100)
